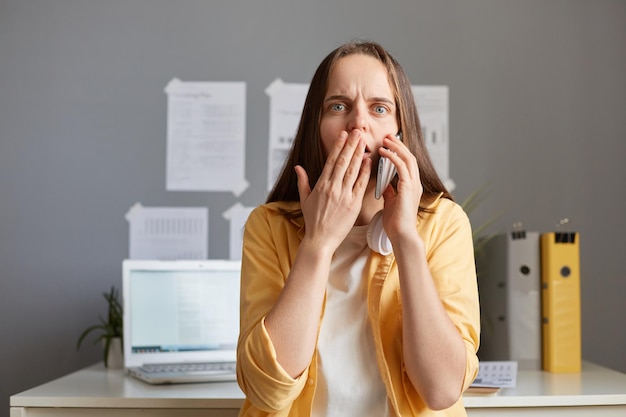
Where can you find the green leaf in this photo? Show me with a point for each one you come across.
(108, 328)
(86, 332)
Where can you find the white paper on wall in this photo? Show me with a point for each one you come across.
(433, 109)
(237, 215)
(286, 103)
(206, 124)
(168, 232)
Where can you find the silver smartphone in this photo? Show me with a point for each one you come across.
(385, 174)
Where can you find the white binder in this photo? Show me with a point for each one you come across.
(509, 277)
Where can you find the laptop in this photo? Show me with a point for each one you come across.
(181, 320)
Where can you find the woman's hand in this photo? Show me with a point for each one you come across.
(331, 208)
(401, 204)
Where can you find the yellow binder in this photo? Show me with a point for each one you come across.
(560, 302)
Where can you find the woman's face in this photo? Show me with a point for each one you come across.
(359, 97)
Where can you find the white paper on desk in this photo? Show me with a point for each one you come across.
(501, 374)
(168, 232)
(286, 103)
(433, 109)
(237, 215)
(206, 124)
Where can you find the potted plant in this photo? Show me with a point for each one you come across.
(110, 330)
(469, 204)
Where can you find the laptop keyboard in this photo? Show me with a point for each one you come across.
(192, 368)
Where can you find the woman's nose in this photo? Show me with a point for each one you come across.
(358, 119)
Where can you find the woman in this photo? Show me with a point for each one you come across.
(328, 326)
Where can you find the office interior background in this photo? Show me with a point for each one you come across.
(537, 113)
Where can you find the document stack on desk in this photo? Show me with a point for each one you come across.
(492, 376)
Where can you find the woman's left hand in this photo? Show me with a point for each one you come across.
(401, 205)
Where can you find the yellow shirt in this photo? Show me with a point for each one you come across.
(270, 245)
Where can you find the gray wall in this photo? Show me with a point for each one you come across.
(537, 110)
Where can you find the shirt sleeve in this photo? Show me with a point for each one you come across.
(452, 265)
(263, 272)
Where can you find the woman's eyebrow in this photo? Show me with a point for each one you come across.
(337, 97)
(383, 100)
(346, 98)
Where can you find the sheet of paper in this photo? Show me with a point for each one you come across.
(501, 374)
(237, 215)
(206, 124)
(168, 232)
(286, 103)
(433, 109)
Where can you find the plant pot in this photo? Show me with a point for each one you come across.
(115, 357)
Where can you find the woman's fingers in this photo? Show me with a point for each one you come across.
(331, 160)
(344, 163)
(402, 158)
(304, 188)
(355, 167)
(409, 189)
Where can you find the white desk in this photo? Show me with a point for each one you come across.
(95, 391)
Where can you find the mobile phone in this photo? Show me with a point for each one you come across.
(385, 174)
(377, 238)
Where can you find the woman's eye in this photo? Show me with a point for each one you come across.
(380, 109)
(337, 107)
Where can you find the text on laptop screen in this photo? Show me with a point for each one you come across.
(183, 311)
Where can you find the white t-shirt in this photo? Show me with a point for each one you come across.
(348, 379)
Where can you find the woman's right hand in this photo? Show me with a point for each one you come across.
(331, 208)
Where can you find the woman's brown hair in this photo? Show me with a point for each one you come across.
(307, 148)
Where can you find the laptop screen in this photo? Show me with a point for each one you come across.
(180, 311)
